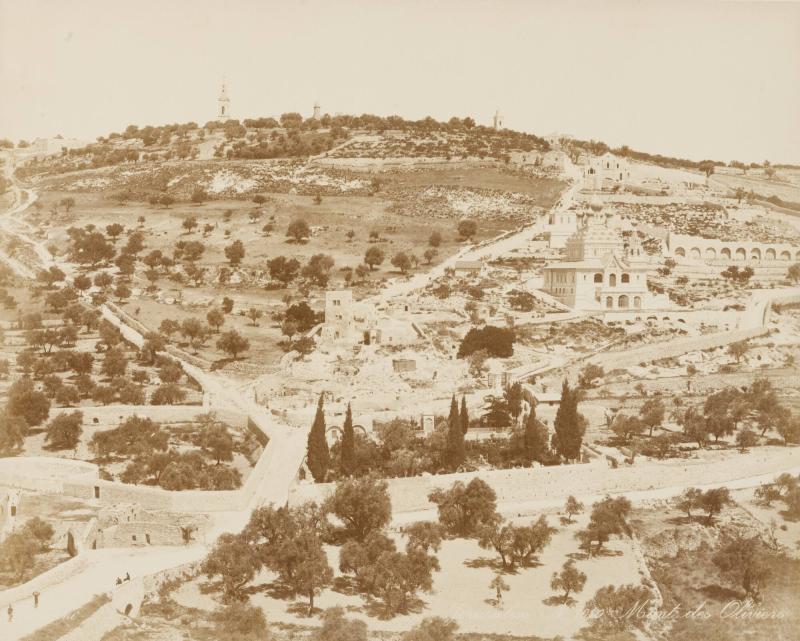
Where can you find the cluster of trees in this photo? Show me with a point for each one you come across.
(495, 341)
(470, 511)
(738, 276)
(289, 541)
(400, 449)
(735, 410)
(711, 501)
(153, 462)
(786, 489)
(196, 332)
(19, 549)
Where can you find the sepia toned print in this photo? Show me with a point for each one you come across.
(399, 321)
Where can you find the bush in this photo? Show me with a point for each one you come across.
(497, 341)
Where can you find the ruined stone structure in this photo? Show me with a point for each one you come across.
(351, 323)
(603, 173)
(716, 251)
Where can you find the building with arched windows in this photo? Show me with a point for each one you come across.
(603, 173)
(601, 272)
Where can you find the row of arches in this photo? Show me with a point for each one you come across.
(740, 254)
(612, 278)
(623, 302)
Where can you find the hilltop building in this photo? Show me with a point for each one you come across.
(604, 173)
(317, 112)
(601, 272)
(499, 123)
(224, 111)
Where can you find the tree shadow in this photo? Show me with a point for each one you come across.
(302, 610)
(379, 610)
(565, 521)
(559, 600)
(277, 590)
(345, 585)
(492, 563)
(578, 556)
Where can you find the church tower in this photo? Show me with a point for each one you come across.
(317, 112)
(498, 121)
(223, 113)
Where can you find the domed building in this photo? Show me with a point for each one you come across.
(599, 272)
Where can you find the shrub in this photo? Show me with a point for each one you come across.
(497, 341)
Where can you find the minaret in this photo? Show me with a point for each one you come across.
(317, 112)
(498, 120)
(224, 112)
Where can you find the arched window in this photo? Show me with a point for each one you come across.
(626, 278)
(598, 278)
(609, 302)
(726, 253)
(623, 302)
(679, 251)
(770, 254)
(637, 302)
(612, 280)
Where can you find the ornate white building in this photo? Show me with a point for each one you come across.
(600, 271)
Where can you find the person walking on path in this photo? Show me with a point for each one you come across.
(36, 599)
(10, 613)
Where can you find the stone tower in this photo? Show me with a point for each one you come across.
(317, 111)
(498, 121)
(223, 113)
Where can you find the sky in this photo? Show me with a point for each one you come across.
(696, 79)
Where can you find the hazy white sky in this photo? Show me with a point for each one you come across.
(697, 79)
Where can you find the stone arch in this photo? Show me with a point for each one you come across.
(770, 254)
(360, 427)
(609, 302)
(726, 253)
(741, 254)
(711, 253)
(695, 253)
(785, 255)
(626, 277)
(598, 278)
(755, 254)
(637, 302)
(612, 280)
(680, 251)
(655, 318)
(622, 303)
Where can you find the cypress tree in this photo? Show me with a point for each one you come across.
(317, 454)
(569, 425)
(464, 415)
(455, 437)
(348, 460)
(534, 437)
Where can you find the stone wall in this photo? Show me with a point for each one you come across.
(670, 349)
(526, 488)
(52, 577)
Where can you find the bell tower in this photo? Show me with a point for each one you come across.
(223, 112)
